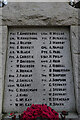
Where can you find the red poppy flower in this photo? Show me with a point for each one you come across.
(39, 111)
(11, 114)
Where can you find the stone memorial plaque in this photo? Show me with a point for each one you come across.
(39, 69)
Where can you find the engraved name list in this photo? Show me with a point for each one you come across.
(39, 69)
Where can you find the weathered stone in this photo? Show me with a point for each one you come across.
(76, 74)
(0, 69)
(39, 14)
(75, 39)
(3, 41)
(44, 14)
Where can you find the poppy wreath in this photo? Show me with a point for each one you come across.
(39, 112)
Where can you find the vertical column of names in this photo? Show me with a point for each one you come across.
(24, 68)
(57, 70)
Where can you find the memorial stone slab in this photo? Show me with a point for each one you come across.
(39, 69)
